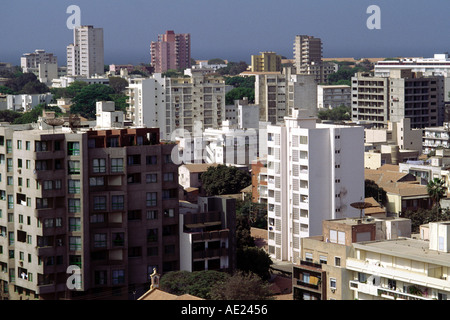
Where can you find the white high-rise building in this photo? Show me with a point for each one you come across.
(314, 172)
(85, 56)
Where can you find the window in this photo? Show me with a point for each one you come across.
(169, 194)
(74, 243)
(74, 224)
(308, 257)
(118, 277)
(117, 202)
(152, 235)
(19, 144)
(134, 159)
(333, 283)
(27, 145)
(42, 203)
(100, 277)
(168, 158)
(151, 178)
(99, 165)
(337, 261)
(40, 146)
(116, 165)
(74, 186)
(152, 160)
(74, 205)
(97, 218)
(169, 213)
(8, 146)
(100, 240)
(168, 176)
(152, 214)
(323, 259)
(151, 199)
(10, 202)
(96, 181)
(74, 167)
(100, 203)
(73, 148)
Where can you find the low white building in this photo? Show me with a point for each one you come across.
(107, 116)
(26, 102)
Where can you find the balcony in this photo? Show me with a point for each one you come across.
(385, 293)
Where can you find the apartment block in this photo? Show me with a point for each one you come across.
(30, 61)
(438, 65)
(85, 56)
(332, 96)
(436, 138)
(321, 273)
(303, 157)
(403, 94)
(85, 214)
(171, 51)
(266, 62)
(402, 269)
(207, 234)
(308, 58)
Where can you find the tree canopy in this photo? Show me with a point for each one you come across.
(84, 103)
(222, 179)
(24, 83)
(242, 286)
(339, 113)
(233, 68)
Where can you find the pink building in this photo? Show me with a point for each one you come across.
(171, 51)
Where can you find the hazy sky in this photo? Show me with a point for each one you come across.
(228, 29)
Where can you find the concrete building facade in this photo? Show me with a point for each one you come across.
(85, 56)
(76, 220)
(303, 157)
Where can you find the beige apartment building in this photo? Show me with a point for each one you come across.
(403, 94)
(85, 214)
(321, 273)
(266, 62)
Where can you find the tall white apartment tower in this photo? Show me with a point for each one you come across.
(85, 56)
(315, 171)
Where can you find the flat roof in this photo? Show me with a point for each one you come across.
(407, 248)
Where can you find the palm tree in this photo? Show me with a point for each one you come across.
(436, 190)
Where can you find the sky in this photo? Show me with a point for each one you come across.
(229, 29)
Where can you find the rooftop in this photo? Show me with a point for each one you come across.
(406, 248)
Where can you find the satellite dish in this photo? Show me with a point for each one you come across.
(361, 206)
(54, 122)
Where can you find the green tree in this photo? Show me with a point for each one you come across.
(197, 283)
(238, 94)
(436, 190)
(216, 61)
(233, 68)
(337, 114)
(243, 233)
(238, 81)
(9, 115)
(255, 260)
(34, 87)
(118, 84)
(84, 103)
(242, 286)
(371, 189)
(222, 179)
(423, 216)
